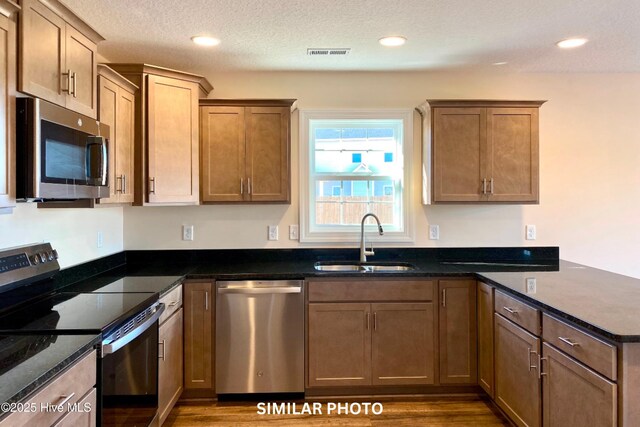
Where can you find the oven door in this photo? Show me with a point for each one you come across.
(129, 372)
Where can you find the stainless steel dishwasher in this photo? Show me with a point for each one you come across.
(260, 336)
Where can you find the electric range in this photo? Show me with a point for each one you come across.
(127, 368)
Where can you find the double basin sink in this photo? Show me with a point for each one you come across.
(364, 267)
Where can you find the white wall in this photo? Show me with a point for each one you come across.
(589, 157)
(73, 232)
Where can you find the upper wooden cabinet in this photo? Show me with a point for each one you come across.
(166, 134)
(116, 100)
(7, 104)
(245, 150)
(484, 151)
(57, 56)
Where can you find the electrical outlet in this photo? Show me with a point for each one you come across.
(187, 232)
(434, 232)
(100, 239)
(293, 232)
(531, 285)
(273, 232)
(530, 232)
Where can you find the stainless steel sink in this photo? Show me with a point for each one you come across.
(369, 267)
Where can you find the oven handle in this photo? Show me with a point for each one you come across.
(116, 345)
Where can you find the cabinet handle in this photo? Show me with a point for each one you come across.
(161, 343)
(152, 185)
(368, 318)
(540, 373)
(68, 89)
(206, 300)
(75, 85)
(510, 310)
(484, 185)
(173, 303)
(491, 186)
(249, 186)
(66, 399)
(118, 188)
(568, 341)
(375, 321)
(241, 186)
(444, 297)
(124, 183)
(529, 353)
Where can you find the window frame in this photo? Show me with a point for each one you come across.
(350, 234)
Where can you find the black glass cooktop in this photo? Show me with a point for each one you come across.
(76, 313)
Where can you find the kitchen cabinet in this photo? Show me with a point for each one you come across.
(74, 386)
(166, 134)
(517, 374)
(7, 105)
(246, 150)
(458, 339)
(57, 56)
(484, 151)
(485, 337)
(116, 100)
(573, 394)
(198, 337)
(170, 353)
(375, 341)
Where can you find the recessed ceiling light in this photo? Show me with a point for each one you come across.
(393, 41)
(205, 41)
(500, 63)
(570, 43)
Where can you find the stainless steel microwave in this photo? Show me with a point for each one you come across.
(61, 154)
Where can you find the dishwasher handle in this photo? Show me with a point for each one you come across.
(261, 290)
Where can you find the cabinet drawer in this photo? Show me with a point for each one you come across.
(85, 416)
(591, 351)
(172, 302)
(371, 290)
(75, 382)
(518, 312)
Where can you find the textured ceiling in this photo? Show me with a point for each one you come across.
(442, 34)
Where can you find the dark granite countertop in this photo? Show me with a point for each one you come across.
(29, 361)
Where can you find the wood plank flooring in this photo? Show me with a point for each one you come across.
(410, 411)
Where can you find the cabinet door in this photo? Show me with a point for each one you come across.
(7, 111)
(517, 384)
(267, 162)
(574, 395)
(170, 367)
(485, 337)
(125, 134)
(339, 345)
(459, 152)
(512, 140)
(222, 133)
(81, 62)
(458, 360)
(42, 53)
(107, 114)
(403, 350)
(172, 145)
(198, 335)
(84, 417)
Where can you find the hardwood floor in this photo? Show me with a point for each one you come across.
(424, 411)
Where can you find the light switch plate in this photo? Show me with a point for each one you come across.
(293, 232)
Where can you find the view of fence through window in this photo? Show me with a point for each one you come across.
(357, 169)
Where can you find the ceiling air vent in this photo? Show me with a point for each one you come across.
(328, 52)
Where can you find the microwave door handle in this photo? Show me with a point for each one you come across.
(102, 178)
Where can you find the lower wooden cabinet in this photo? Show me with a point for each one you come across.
(485, 337)
(574, 395)
(198, 336)
(359, 344)
(170, 365)
(81, 418)
(517, 379)
(458, 338)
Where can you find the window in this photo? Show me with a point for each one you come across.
(353, 163)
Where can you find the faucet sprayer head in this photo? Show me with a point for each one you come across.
(380, 230)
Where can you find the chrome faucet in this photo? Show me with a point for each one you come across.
(363, 251)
